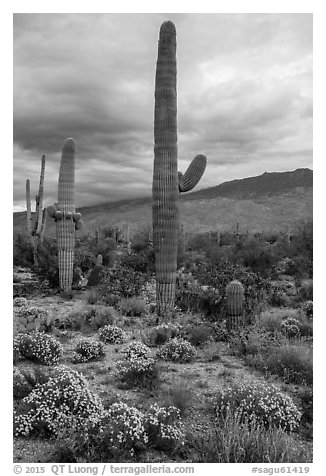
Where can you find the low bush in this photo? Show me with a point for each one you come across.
(177, 350)
(132, 306)
(21, 386)
(122, 434)
(290, 327)
(305, 403)
(41, 348)
(138, 371)
(259, 404)
(199, 335)
(231, 441)
(87, 350)
(135, 350)
(293, 363)
(111, 335)
(181, 396)
(100, 316)
(164, 428)
(64, 400)
(160, 334)
(307, 308)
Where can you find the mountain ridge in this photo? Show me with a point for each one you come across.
(268, 201)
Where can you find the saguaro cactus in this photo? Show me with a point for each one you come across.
(234, 304)
(65, 216)
(36, 229)
(167, 182)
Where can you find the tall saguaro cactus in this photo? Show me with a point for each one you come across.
(36, 229)
(167, 182)
(65, 216)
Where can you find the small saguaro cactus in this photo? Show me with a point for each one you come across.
(65, 216)
(167, 182)
(234, 304)
(36, 230)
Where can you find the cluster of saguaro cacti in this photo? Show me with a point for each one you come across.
(167, 182)
(65, 216)
(36, 229)
(234, 305)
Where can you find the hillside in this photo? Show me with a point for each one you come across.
(263, 203)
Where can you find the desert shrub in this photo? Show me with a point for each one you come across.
(191, 296)
(132, 306)
(231, 441)
(256, 255)
(84, 257)
(93, 297)
(181, 396)
(106, 248)
(21, 302)
(305, 398)
(63, 400)
(17, 278)
(290, 327)
(71, 322)
(138, 371)
(41, 348)
(122, 434)
(199, 335)
(22, 250)
(122, 281)
(164, 428)
(111, 335)
(100, 316)
(307, 308)
(218, 275)
(259, 403)
(135, 350)
(160, 334)
(96, 276)
(306, 290)
(141, 262)
(278, 296)
(21, 387)
(87, 350)
(293, 363)
(177, 350)
(47, 267)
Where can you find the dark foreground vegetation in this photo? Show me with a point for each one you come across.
(102, 378)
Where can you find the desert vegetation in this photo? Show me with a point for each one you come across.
(193, 348)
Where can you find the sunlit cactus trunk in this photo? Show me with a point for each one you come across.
(165, 176)
(167, 182)
(65, 227)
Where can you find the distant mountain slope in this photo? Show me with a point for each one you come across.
(267, 202)
(266, 184)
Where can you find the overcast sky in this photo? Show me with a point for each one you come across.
(244, 98)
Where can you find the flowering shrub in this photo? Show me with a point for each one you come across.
(164, 428)
(123, 432)
(290, 327)
(125, 428)
(259, 404)
(21, 387)
(138, 371)
(42, 348)
(87, 350)
(135, 350)
(63, 400)
(20, 302)
(112, 335)
(177, 350)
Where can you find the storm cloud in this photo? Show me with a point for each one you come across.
(244, 97)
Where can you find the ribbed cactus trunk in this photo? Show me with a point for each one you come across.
(165, 176)
(234, 305)
(39, 207)
(65, 227)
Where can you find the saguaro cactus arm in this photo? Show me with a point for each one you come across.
(193, 174)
